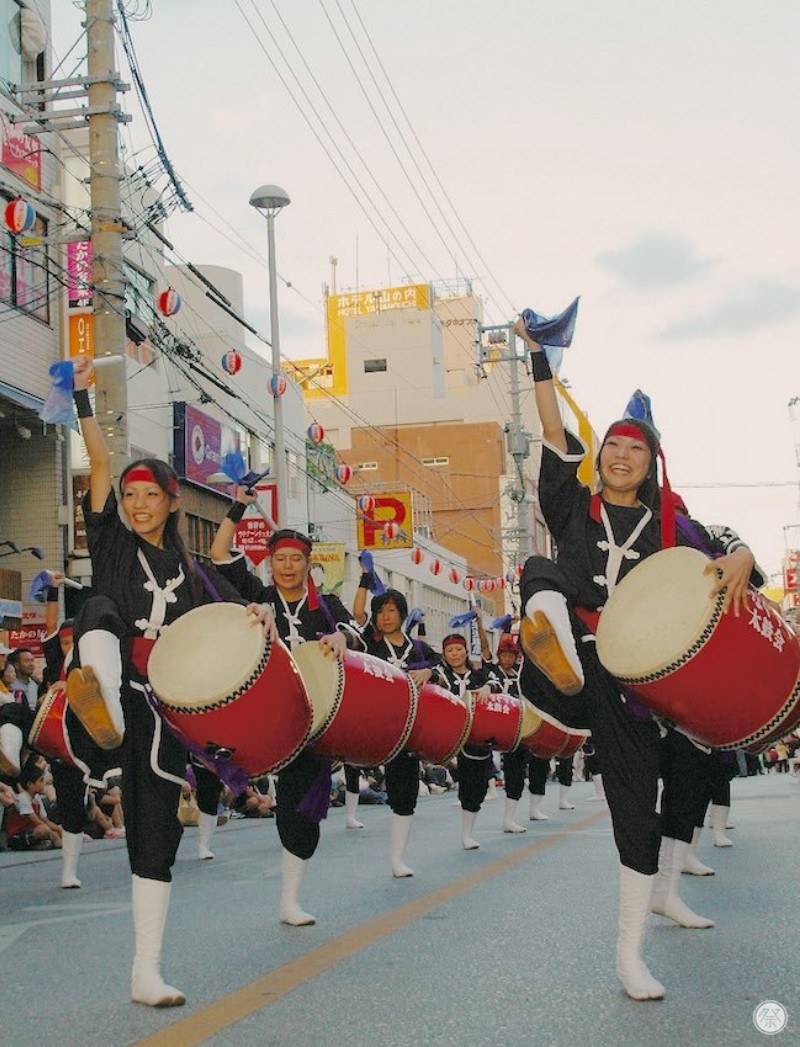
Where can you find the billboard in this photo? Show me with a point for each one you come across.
(201, 443)
(389, 525)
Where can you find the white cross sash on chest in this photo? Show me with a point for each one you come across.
(152, 627)
(617, 553)
(293, 621)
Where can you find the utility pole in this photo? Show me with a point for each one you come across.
(501, 347)
(108, 271)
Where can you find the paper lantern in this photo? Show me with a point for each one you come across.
(366, 503)
(417, 555)
(511, 577)
(488, 585)
(455, 575)
(519, 570)
(232, 361)
(499, 583)
(315, 433)
(436, 567)
(169, 302)
(277, 385)
(343, 473)
(391, 530)
(20, 216)
(469, 584)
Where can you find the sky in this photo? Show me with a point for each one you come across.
(644, 156)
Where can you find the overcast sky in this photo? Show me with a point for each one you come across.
(642, 155)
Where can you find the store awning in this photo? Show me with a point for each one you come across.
(21, 399)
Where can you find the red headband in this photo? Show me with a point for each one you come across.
(295, 543)
(450, 640)
(667, 502)
(143, 474)
(627, 429)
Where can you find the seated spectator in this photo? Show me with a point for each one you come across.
(436, 778)
(29, 828)
(109, 800)
(251, 803)
(371, 786)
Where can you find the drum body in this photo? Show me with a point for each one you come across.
(441, 725)
(551, 738)
(727, 681)
(363, 708)
(499, 720)
(228, 691)
(49, 733)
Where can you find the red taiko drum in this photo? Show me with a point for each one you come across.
(441, 725)
(498, 720)
(363, 708)
(228, 690)
(549, 737)
(727, 681)
(49, 733)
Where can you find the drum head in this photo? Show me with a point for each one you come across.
(206, 655)
(657, 614)
(531, 720)
(323, 679)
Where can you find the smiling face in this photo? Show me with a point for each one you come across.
(624, 465)
(289, 572)
(147, 508)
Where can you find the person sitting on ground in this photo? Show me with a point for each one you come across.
(29, 828)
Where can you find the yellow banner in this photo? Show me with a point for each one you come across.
(329, 556)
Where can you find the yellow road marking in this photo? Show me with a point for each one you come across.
(271, 987)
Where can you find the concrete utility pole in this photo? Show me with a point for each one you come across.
(108, 271)
(501, 347)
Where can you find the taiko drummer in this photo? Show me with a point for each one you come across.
(143, 579)
(600, 538)
(301, 615)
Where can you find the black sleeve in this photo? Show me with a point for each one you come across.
(241, 579)
(228, 592)
(560, 490)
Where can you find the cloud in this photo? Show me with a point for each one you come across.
(655, 261)
(749, 310)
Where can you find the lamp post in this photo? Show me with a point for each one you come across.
(270, 199)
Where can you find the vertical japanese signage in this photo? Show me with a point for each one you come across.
(253, 532)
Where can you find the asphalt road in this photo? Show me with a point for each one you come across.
(509, 946)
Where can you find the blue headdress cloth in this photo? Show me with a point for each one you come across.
(554, 334)
(640, 410)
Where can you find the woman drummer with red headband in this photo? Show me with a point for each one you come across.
(301, 614)
(143, 580)
(600, 538)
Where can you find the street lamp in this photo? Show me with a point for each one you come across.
(270, 199)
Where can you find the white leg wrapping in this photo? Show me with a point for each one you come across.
(564, 803)
(535, 814)
(553, 607)
(599, 791)
(719, 819)
(71, 844)
(100, 650)
(509, 825)
(150, 904)
(635, 893)
(401, 830)
(665, 897)
(491, 792)
(10, 749)
(350, 808)
(206, 827)
(691, 863)
(468, 841)
(293, 869)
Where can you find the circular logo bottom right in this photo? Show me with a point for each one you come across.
(770, 1017)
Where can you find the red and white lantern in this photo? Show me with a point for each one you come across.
(417, 555)
(469, 584)
(436, 567)
(391, 530)
(20, 216)
(315, 433)
(455, 575)
(366, 503)
(169, 302)
(511, 577)
(232, 361)
(343, 473)
(277, 385)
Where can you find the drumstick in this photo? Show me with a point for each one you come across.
(67, 581)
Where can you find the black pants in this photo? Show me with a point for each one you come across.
(209, 789)
(515, 764)
(686, 771)
(564, 771)
(475, 769)
(71, 795)
(298, 833)
(402, 783)
(352, 776)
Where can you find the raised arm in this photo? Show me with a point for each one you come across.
(226, 532)
(544, 391)
(96, 446)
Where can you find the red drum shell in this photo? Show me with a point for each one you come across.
(727, 681)
(225, 688)
(496, 721)
(364, 707)
(553, 738)
(49, 732)
(441, 725)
